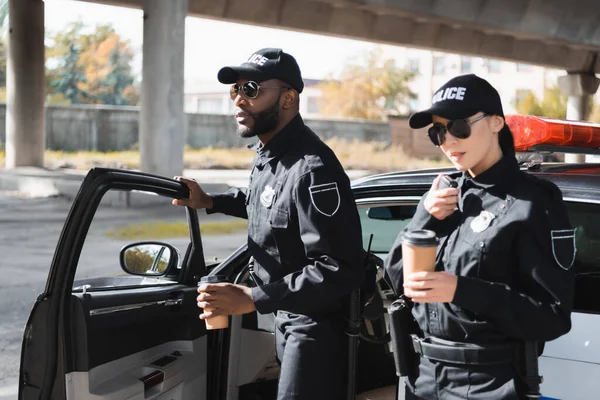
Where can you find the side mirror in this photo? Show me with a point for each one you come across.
(396, 213)
(148, 258)
(379, 213)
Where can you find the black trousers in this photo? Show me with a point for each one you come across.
(436, 380)
(312, 352)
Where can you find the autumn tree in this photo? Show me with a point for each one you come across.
(373, 89)
(141, 260)
(91, 67)
(595, 114)
(117, 81)
(552, 105)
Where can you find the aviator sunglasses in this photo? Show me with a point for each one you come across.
(250, 89)
(460, 129)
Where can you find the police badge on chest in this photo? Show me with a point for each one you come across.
(481, 222)
(266, 197)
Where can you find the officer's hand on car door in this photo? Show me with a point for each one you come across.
(441, 202)
(198, 197)
(224, 299)
(430, 287)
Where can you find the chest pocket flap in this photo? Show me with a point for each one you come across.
(278, 218)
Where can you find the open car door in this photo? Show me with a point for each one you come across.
(127, 336)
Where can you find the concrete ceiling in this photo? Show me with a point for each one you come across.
(554, 33)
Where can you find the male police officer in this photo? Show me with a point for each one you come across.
(303, 229)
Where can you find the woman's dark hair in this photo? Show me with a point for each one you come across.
(507, 142)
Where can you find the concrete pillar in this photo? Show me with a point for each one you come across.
(25, 136)
(162, 117)
(579, 87)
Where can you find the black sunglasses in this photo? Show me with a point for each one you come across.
(250, 89)
(460, 129)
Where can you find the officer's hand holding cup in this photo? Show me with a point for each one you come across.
(419, 248)
(219, 321)
(198, 197)
(442, 199)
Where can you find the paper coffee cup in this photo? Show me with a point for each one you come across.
(419, 248)
(221, 321)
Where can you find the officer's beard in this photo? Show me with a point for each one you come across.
(264, 122)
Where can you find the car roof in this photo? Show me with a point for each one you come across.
(579, 182)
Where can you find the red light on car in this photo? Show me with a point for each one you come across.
(530, 131)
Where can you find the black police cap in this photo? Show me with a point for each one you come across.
(460, 98)
(265, 64)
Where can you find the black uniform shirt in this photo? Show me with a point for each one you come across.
(303, 226)
(511, 244)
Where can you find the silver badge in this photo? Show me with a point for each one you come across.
(482, 221)
(266, 197)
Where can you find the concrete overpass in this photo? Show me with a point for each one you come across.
(552, 33)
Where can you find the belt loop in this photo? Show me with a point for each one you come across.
(416, 341)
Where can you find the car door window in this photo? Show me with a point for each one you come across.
(586, 219)
(384, 223)
(122, 219)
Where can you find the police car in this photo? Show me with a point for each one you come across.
(135, 334)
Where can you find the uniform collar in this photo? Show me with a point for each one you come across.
(500, 175)
(279, 144)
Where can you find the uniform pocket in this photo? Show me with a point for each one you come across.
(491, 382)
(470, 253)
(488, 257)
(278, 218)
(279, 221)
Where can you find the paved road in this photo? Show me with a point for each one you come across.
(30, 229)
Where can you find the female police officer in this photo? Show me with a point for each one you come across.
(503, 267)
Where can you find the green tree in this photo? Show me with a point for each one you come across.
(3, 44)
(595, 114)
(553, 105)
(3, 13)
(3, 56)
(529, 105)
(117, 80)
(58, 50)
(69, 77)
(373, 89)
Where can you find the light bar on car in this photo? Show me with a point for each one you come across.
(530, 132)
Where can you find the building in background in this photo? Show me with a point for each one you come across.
(513, 81)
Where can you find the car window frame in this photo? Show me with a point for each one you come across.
(387, 201)
(584, 310)
(398, 200)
